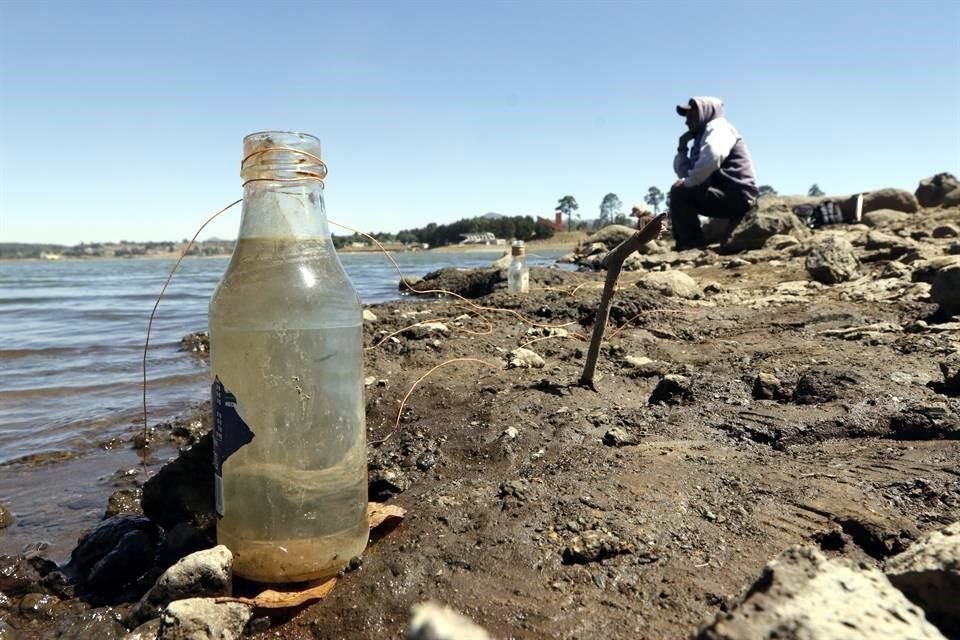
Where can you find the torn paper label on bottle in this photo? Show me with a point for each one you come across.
(230, 433)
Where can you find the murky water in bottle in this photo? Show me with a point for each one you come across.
(295, 498)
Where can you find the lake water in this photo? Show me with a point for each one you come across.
(71, 344)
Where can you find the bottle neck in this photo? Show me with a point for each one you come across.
(284, 210)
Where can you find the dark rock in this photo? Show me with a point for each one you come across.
(593, 546)
(258, 625)
(932, 191)
(833, 540)
(946, 231)
(125, 501)
(18, 576)
(104, 539)
(198, 342)
(618, 437)
(823, 385)
(426, 460)
(426, 330)
(951, 377)
(126, 562)
(180, 542)
(926, 422)
(952, 199)
(672, 389)
(39, 606)
(476, 283)
(182, 491)
(945, 289)
(895, 269)
(832, 261)
(767, 386)
(6, 518)
(386, 482)
(98, 624)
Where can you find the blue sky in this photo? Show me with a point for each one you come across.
(124, 120)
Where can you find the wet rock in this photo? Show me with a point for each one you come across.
(801, 594)
(432, 621)
(672, 389)
(426, 460)
(894, 199)
(525, 359)
(204, 619)
(369, 316)
(180, 542)
(818, 385)
(928, 573)
(426, 330)
(895, 269)
(124, 501)
(671, 283)
(126, 562)
(104, 538)
(767, 386)
(98, 624)
(18, 576)
(182, 491)
(643, 367)
(618, 437)
(946, 231)
(932, 191)
(39, 606)
(832, 261)
(205, 573)
(593, 546)
(759, 226)
(198, 342)
(6, 518)
(926, 422)
(149, 630)
(411, 284)
(885, 217)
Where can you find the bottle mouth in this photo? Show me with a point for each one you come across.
(282, 156)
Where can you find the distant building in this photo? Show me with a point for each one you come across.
(485, 237)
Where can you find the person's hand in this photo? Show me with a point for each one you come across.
(684, 141)
(678, 183)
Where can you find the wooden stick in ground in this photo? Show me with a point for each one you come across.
(614, 263)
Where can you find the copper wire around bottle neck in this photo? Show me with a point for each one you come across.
(320, 176)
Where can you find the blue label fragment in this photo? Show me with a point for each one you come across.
(230, 433)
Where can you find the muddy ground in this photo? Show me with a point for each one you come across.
(542, 509)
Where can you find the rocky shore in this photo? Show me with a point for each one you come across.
(772, 449)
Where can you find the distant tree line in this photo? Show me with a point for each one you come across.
(438, 235)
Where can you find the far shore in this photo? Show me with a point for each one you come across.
(563, 240)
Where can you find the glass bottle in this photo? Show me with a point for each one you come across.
(518, 274)
(286, 359)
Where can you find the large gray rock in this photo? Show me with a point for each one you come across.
(758, 226)
(832, 260)
(671, 283)
(204, 619)
(432, 621)
(803, 596)
(933, 190)
(895, 199)
(206, 573)
(928, 573)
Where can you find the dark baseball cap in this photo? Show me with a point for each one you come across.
(682, 109)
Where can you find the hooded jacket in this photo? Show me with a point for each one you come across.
(718, 156)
